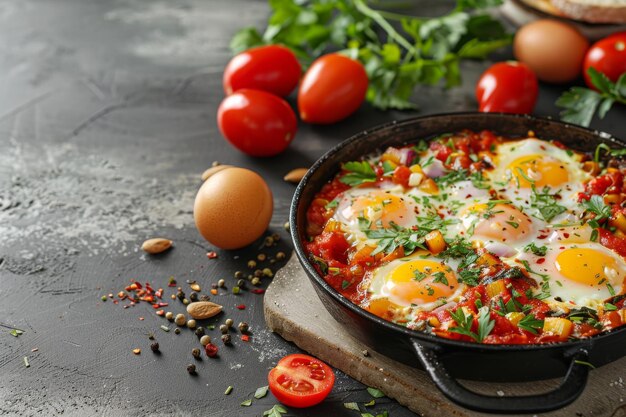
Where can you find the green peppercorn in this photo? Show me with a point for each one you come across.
(267, 272)
(261, 257)
(229, 323)
(226, 339)
(193, 296)
(205, 340)
(103, 298)
(241, 283)
(185, 301)
(191, 368)
(221, 283)
(155, 347)
(191, 324)
(236, 290)
(239, 274)
(243, 327)
(255, 281)
(199, 331)
(180, 319)
(195, 352)
(224, 329)
(177, 331)
(280, 256)
(251, 264)
(169, 315)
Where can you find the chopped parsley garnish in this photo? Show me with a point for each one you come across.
(513, 224)
(358, 173)
(451, 177)
(393, 237)
(419, 276)
(332, 204)
(464, 323)
(345, 284)
(440, 277)
(596, 205)
(546, 203)
(479, 181)
(537, 250)
(610, 307)
(468, 272)
(530, 324)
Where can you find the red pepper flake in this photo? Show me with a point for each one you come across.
(155, 306)
(241, 307)
(211, 350)
(141, 319)
(159, 293)
(211, 255)
(172, 284)
(245, 337)
(160, 312)
(163, 304)
(566, 235)
(116, 302)
(214, 291)
(137, 351)
(257, 291)
(541, 260)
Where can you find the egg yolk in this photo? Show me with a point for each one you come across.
(541, 170)
(421, 281)
(381, 206)
(586, 266)
(500, 222)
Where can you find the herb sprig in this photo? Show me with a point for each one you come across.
(358, 173)
(464, 323)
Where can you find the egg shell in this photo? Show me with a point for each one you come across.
(233, 208)
(553, 50)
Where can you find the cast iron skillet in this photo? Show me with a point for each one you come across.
(444, 359)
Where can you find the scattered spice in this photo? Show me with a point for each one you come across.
(268, 272)
(261, 257)
(229, 323)
(199, 331)
(251, 264)
(221, 283)
(223, 328)
(193, 296)
(165, 328)
(103, 298)
(205, 340)
(141, 319)
(239, 274)
(195, 286)
(245, 337)
(34, 350)
(154, 347)
(191, 324)
(203, 309)
(241, 283)
(177, 331)
(241, 307)
(226, 339)
(171, 282)
(243, 327)
(204, 297)
(180, 319)
(352, 406)
(191, 368)
(257, 291)
(169, 315)
(26, 363)
(160, 313)
(137, 351)
(211, 255)
(236, 290)
(195, 352)
(286, 226)
(228, 390)
(211, 350)
(255, 281)
(280, 256)
(370, 404)
(214, 291)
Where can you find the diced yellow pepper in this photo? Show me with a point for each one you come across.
(619, 222)
(558, 326)
(591, 167)
(515, 317)
(487, 259)
(429, 186)
(416, 169)
(435, 242)
(495, 288)
(434, 322)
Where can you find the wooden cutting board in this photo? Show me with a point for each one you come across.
(293, 310)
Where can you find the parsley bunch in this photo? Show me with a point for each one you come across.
(580, 104)
(398, 51)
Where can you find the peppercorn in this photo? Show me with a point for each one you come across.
(276, 237)
(239, 274)
(251, 264)
(250, 277)
(205, 340)
(269, 241)
(180, 295)
(173, 296)
(191, 324)
(103, 298)
(229, 323)
(221, 283)
(224, 329)
(169, 315)
(258, 273)
(268, 272)
(180, 319)
(214, 286)
(256, 281)
(195, 352)
(272, 261)
(236, 290)
(177, 331)
(243, 327)
(191, 368)
(193, 296)
(155, 347)
(261, 257)
(226, 339)
(286, 226)
(280, 256)
(241, 283)
(199, 331)
(185, 301)
(204, 297)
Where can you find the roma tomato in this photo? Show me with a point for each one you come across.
(256, 122)
(332, 89)
(508, 87)
(301, 381)
(608, 56)
(271, 68)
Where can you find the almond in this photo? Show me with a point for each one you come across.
(156, 245)
(203, 309)
(295, 175)
(213, 170)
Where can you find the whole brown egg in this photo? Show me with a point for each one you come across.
(233, 207)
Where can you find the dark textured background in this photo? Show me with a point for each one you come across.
(107, 119)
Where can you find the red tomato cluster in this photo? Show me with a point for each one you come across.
(512, 87)
(255, 118)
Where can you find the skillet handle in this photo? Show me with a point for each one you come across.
(570, 388)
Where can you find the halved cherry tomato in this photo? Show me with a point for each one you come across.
(607, 56)
(509, 87)
(271, 68)
(332, 89)
(301, 380)
(256, 122)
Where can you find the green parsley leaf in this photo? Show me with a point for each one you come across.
(537, 250)
(358, 173)
(246, 403)
(345, 284)
(375, 392)
(261, 392)
(370, 404)
(530, 324)
(545, 203)
(596, 205)
(351, 406)
(610, 307)
(275, 411)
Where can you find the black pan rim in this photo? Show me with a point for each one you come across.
(415, 334)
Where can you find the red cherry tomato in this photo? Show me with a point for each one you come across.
(608, 56)
(271, 68)
(301, 381)
(509, 87)
(332, 89)
(256, 122)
